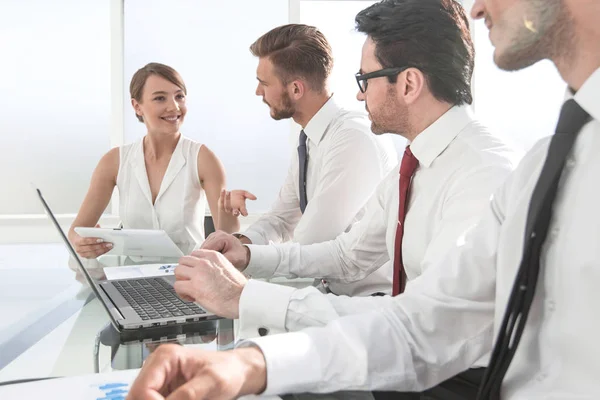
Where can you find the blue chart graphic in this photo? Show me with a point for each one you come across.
(167, 268)
(113, 391)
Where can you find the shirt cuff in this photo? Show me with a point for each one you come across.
(263, 308)
(292, 361)
(255, 237)
(263, 261)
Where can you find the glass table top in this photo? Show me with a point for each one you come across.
(57, 327)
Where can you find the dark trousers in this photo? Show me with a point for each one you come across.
(463, 386)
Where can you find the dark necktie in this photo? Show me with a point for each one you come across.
(303, 165)
(407, 169)
(572, 119)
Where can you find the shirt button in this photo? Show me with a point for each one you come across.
(263, 331)
(570, 162)
(551, 306)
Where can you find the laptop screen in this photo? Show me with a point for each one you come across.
(85, 273)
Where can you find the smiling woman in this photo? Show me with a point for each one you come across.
(164, 179)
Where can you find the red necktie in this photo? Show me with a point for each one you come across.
(407, 169)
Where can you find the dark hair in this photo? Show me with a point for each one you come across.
(431, 35)
(297, 51)
(136, 87)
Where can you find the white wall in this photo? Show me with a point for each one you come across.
(55, 103)
(207, 43)
(521, 106)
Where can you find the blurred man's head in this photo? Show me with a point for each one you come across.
(417, 52)
(294, 60)
(524, 32)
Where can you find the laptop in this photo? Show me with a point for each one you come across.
(137, 306)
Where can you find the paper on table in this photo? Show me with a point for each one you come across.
(139, 271)
(114, 386)
(108, 386)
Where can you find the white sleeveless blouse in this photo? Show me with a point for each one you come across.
(180, 206)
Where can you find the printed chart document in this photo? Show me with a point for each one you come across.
(108, 386)
(113, 385)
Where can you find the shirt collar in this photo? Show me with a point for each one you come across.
(318, 124)
(587, 95)
(430, 143)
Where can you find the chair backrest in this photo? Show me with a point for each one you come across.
(209, 225)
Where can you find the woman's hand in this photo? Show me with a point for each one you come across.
(89, 247)
(234, 202)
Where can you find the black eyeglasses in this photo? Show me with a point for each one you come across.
(362, 79)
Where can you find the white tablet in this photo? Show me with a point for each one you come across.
(134, 242)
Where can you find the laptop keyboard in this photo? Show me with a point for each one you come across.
(153, 298)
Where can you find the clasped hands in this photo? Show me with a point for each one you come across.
(211, 275)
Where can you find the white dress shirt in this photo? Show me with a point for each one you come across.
(346, 161)
(460, 166)
(180, 205)
(437, 328)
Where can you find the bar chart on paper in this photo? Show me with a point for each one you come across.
(108, 386)
(111, 391)
(111, 386)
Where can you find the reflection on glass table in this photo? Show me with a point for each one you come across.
(76, 337)
(211, 335)
(84, 341)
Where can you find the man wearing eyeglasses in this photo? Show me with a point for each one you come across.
(415, 77)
